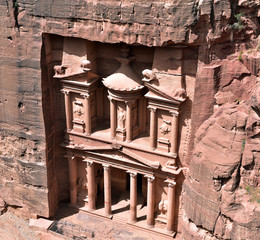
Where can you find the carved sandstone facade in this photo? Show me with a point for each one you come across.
(206, 49)
(124, 150)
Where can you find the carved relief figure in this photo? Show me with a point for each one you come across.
(163, 206)
(78, 109)
(82, 189)
(121, 118)
(165, 128)
(180, 94)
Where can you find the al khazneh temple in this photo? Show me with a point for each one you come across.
(121, 138)
(143, 113)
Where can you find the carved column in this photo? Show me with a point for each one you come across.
(91, 185)
(141, 113)
(129, 122)
(68, 109)
(171, 205)
(100, 104)
(153, 127)
(87, 117)
(113, 119)
(133, 197)
(174, 135)
(73, 179)
(150, 200)
(107, 188)
(144, 109)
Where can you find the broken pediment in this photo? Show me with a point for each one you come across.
(81, 76)
(161, 93)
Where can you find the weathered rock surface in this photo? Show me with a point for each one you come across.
(221, 192)
(226, 155)
(2, 206)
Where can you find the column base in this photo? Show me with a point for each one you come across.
(91, 210)
(132, 222)
(110, 216)
(150, 226)
(107, 213)
(170, 232)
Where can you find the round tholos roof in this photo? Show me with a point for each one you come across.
(124, 79)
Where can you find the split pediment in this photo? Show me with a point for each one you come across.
(161, 94)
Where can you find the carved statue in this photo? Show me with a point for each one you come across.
(78, 108)
(163, 206)
(60, 69)
(171, 164)
(81, 184)
(165, 127)
(180, 94)
(149, 75)
(85, 65)
(121, 118)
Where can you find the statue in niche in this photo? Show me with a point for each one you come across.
(121, 118)
(82, 189)
(165, 128)
(163, 206)
(78, 109)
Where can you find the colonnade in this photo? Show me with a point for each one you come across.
(91, 186)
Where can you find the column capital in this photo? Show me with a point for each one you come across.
(89, 163)
(171, 183)
(149, 178)
(85, 95)
(72, 157)
(64, 91)
(132, 174)
(152, 109)
(174, 114)
(110, 98)
(129, 103)
(106, 167)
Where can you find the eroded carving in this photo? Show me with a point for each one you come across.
(60, 70)
(121, 118)
(85, 65)
(180, 94)
(165, 128)
(148, 75)
(163, 206)
(78, 109)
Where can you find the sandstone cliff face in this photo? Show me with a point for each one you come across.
(224, 165)
(221, 192)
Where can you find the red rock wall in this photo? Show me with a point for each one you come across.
(28, 166)
(219, 192)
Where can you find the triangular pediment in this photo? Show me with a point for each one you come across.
(124, 156)
(161, 94)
